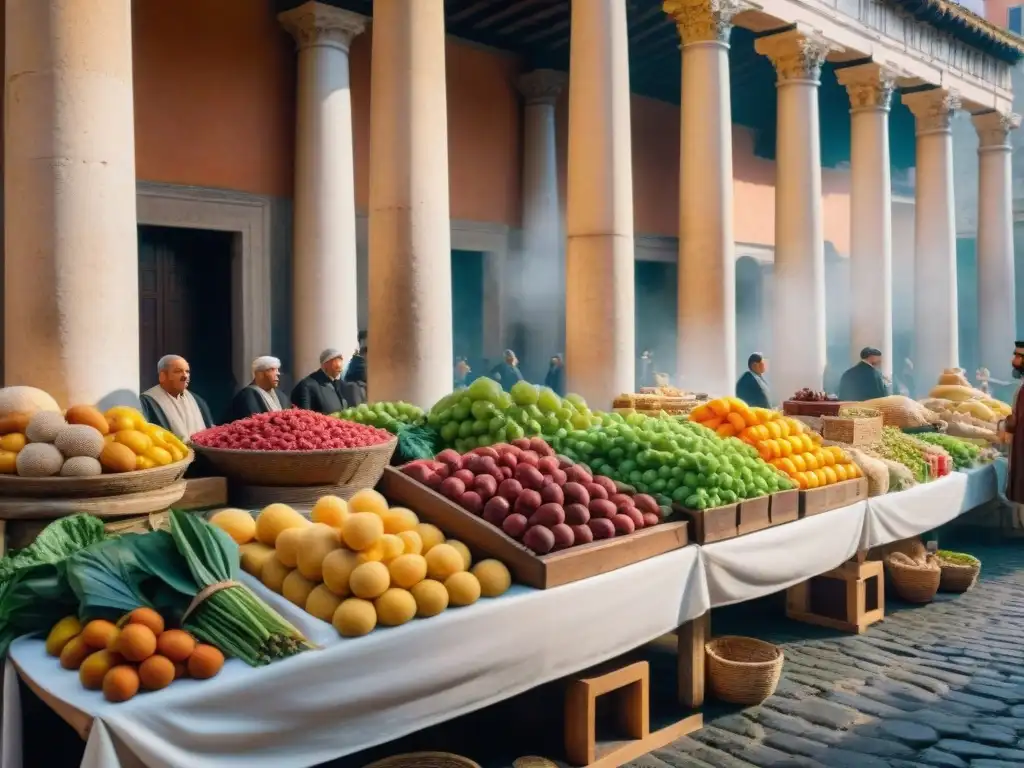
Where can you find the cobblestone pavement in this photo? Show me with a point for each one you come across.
(935, 685)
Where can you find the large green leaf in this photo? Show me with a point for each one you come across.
(55, 543)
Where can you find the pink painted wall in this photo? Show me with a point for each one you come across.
(995, 10)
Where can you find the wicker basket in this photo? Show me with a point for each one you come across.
(854, 431)
(357, 467)
(811, 407)
(742, 670)
(957, 577)
(914, 583)
(91, 487)
(425, 760)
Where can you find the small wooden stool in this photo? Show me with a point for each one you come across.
(849, 598)
(581, 711)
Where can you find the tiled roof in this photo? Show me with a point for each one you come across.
(967, 26)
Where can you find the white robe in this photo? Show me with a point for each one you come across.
(182, 412)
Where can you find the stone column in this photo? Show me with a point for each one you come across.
(799, 328)
(870, 87)
(324, 286)
(410, 318)
(997, 305)
(540, 280)
(706, 318)
(936, 324)
(600, 320)
(71, 244)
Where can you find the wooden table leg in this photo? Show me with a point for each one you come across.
(690, 663)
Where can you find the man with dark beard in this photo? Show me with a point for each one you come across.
(1015, 436)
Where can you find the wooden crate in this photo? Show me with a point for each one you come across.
(540, 571)
(852, 431)
(815, 408)
(814, 501)
(753, 515)
(784, 507)
(849, 598)
(710, 525)
(204, 493)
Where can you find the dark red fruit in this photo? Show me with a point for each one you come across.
(514, 525)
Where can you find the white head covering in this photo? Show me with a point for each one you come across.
(265, 363)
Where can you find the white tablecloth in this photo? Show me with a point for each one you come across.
(898, 516)
(774, 559)
(355, 694)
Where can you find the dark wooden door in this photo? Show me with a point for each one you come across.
(185, 308)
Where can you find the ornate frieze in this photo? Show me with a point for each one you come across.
(319, 24)
(797, 56)
(994, 128)
(870, 86)
(932, 109)
(542, 86)
(704, 21)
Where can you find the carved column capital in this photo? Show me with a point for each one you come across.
(704, 21)
(542, 86)
(797, 56)
(932, 109)
(314, 23)
(870, 86)
(994, 129)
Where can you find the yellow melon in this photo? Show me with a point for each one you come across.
(25, 400)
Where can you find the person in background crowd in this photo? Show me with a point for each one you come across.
(556, 376)
(507, 371)
(462, 371)
(645, 374)
(752, 387)
(356, 371)
(170, 405)
(864, 381)
(261, 395)
(322, 390)
(1014, 437)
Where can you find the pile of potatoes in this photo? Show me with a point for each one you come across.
(361, 563)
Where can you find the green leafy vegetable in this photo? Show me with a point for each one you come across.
(55, 543)
(416, 442)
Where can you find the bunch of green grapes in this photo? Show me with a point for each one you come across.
(389, 416)
(897, 447)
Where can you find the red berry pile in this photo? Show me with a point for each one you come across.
(291, 430)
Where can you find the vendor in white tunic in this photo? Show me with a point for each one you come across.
(170, 405)
(262, 394)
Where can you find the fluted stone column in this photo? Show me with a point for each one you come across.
(540, 278)
(799, 329)
(71, 272)
(936, 324)
(707, 260)
(870, 87)
(410, 318)
(600, 320)
(324, 286)
(997, 305)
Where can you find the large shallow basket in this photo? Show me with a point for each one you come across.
(359, 467)
(914, 583)
(139, 481)
(425, 760)
(743, 670)
(957, 577)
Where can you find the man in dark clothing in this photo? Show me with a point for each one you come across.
(1013, 433)
(462, 373)
(864, 381)
(555, 379)
(356, 371)
(171, 405)
(323, 390)
(507, 372)
(752, 387)
(262, 395)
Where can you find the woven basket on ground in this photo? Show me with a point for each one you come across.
(915, 582)
(356, 467)
(742, 670)
(139, 481)
(425, 760)
(958, 577)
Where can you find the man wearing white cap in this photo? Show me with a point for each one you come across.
(261, 395)
(322, 390)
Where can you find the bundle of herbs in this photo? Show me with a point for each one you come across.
(189, 575)
(415, 441)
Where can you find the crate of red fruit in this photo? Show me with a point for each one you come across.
(297, 448)
(809, 402)
(551, 521)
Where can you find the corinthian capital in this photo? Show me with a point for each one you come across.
(994, 128)
(796, 55)
(542, 86)
(703, 21)
(932, 109)
(870, 86)
(319, 24)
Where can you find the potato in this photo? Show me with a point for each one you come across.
(540, 539)
(623, 524)
(527, 503)
(548, 515)
(574, 493)
(515, 525)
(564, 536)
(601, 527)
(582, 534)
(596, 491)
(601, 508)
(577, 514)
